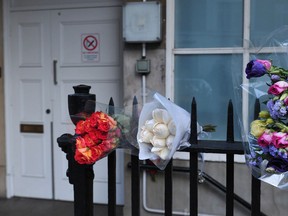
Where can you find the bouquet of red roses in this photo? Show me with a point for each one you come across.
(97, 136)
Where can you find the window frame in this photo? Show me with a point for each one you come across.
(245, 50)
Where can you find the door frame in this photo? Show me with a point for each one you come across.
(7, 99)
(8, 83)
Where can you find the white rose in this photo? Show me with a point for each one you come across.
(156, 150)
(157, 142)
(146, 135)
(149, 124)
(161, 116)
(172, 128)
(161, 131)
(164, 153)
(169, 141)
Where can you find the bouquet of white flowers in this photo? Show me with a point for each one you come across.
(163, 128)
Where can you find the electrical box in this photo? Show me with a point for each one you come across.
(143, 66)
(142, 22)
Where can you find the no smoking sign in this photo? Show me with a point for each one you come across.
(90, 47)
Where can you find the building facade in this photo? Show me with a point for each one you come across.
(50, 46)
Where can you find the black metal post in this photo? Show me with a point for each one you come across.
(256, 184)
(168, 189)
(230, 163)
(111, 172)
(81, 176)
(193, 162)
(135, 168)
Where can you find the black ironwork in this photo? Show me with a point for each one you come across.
(135, 169)
(230, 162)
(255, 183)
(168, 188)
(112, 172)
(194, 161)
(207, 178)
(80, 176)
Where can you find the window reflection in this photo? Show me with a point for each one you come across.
(208, 23)
(208, 78)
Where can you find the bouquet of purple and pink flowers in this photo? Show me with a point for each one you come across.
(268, 138)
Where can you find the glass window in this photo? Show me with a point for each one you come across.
(206, 74)
(209, 79)
(267, 16)
(208, 23)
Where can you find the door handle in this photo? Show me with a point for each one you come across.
(55, 72)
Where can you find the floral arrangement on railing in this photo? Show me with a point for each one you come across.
(164, 128)
(96, 136)
(160, 132)
(268, 139)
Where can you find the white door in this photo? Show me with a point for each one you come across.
(97, 65)
(52, 51)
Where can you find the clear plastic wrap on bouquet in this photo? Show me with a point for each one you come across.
(265, 135)
(163, 128)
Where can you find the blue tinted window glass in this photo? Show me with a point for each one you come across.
(208, 78)
(267, 16)
(208, 23)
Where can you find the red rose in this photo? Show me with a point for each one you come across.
(88, 155)
(89, 141)
(80, 129)
(99, 135)
(104, 126)
(94, 135)
(94, 120)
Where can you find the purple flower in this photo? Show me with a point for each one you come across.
(257, 68)
(265, 149)
(275, 77)
(282, 153)
(277, 105)
(253, 154)
(273, 150)
(276, 109)
(278, 164)
(259, 159)
(283, 111)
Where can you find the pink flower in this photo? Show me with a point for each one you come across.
(267, 64)
(265, 139)
(280, 140)
(286, 101)
(278, 88)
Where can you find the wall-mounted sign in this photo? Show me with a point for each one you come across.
(90, 47)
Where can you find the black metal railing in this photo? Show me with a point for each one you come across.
(81, 176)
(228, 147)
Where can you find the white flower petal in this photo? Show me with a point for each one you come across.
(156, 149)
(172, 128)
(161, 116)
(164, 154)
(157, 142)
(161, 131)
(149, 124)
(146, 135)
(169, 141)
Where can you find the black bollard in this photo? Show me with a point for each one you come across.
(81, 104)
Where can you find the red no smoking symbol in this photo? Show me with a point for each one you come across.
(90, 42)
